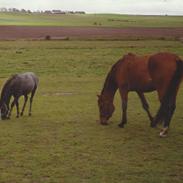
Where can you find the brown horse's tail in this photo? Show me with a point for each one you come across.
(169, 99)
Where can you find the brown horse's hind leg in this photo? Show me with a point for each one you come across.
(159, 118)
(167, 118)
(145, 105)
(124, 99)
(25, 102)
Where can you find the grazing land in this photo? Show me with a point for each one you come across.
(63, 141)
(89, 20)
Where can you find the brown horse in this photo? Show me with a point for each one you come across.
(161, 72)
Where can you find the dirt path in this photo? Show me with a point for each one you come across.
(24, 32)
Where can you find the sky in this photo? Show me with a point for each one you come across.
(170, 7)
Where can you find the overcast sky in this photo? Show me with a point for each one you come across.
(171, 7)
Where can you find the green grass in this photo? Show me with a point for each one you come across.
(62, 141)
(91, 20)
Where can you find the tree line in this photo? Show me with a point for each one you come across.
(15, 10)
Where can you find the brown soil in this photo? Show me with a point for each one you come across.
(24, 32)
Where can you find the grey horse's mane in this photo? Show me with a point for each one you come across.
(7, 83)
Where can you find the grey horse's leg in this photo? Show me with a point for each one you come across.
(31, 100)
(25, 102)
(15, 102)
(17, 105)
(12, 105)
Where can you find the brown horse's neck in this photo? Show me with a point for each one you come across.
(110, 86)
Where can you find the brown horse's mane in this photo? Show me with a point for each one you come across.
(5, 91)
(110, 83)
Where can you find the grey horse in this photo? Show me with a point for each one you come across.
(17, 85)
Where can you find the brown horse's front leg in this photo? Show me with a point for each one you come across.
(145, 105)
(124, 98)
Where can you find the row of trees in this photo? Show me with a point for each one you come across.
(38, 11)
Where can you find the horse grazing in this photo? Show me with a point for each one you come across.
(16, 86)
(161, 72)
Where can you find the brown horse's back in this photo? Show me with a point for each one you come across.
(162, 67)
(132, 73)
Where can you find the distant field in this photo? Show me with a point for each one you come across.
(90, 20)
(63, 142)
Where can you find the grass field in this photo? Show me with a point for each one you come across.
(63, 142)
(99, 20)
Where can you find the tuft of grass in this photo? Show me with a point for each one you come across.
(62, 141)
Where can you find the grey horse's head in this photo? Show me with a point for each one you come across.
(3, 111)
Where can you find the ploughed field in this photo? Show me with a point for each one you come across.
(89, 33)
(89, 26)
(63, 140)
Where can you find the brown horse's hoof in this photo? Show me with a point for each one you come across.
(21, 114)
(163, 132)
(5, 118)
(30, 114)
(121, 125)
(151, 119)
(153, 125)
(17, 116)
(104, 124)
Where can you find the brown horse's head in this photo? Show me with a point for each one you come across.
(106, 109)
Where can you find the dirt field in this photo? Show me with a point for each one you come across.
(26, 32)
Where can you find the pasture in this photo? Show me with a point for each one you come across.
(63, 141)
(90, 20)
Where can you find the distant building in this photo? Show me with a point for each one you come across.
(58, 12)
(11, 9)
(70, 12)
(48, 12)
(80, 12)
(3, 9)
